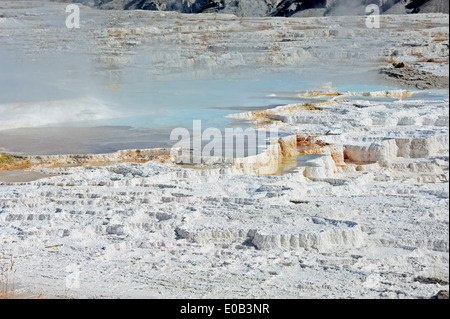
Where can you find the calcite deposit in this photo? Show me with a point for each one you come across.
(349, 201)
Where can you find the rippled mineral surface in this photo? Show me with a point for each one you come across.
(350, 202)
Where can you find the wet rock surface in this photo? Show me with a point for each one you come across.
(419, 79)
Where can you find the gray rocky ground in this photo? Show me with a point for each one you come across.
(274, 7)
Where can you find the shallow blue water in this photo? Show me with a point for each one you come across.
(142, 114)
(176, 103)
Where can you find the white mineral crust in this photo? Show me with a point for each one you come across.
(366, 227)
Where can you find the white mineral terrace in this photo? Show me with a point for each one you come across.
(352, 201)
(362, 215)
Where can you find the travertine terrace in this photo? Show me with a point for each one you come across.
(357, 208)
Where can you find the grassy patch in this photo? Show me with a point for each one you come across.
(6, 277)
(400, 65)
(7, 159)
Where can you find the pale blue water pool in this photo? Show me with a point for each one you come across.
(164, 104)
(141, 114)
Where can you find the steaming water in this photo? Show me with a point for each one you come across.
(59, 104)
(139, 114)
